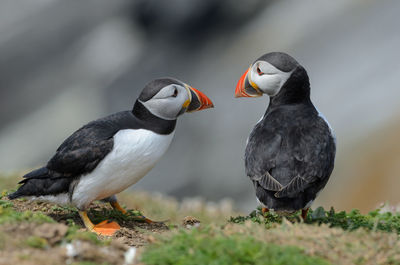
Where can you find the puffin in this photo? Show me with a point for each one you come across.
(108, 155)
(290, 152)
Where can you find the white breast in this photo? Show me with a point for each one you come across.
(134, 154)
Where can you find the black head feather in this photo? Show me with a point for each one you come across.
(153, 87)
(280, 60)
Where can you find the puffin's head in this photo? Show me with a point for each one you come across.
(167, 98)
(267, 75)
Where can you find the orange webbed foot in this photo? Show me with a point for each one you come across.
(106, 228)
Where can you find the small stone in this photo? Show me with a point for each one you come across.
(119, 243)
(151, 239)
(52, 232)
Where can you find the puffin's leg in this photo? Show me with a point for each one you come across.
(304, 214)
(104, 228)
(114, 203)
(264, 210)
(118, 207)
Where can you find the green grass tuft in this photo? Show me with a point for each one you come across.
(9, 215)
(36, 242)
(207, 246)
(5, 204)
(375, 220)
(62, 208)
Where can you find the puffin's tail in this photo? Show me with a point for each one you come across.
(14, 195)
(41, 182)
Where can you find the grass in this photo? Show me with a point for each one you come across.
(375, 220)
(326, 237)
(359, 246)
(20, 231)
(211, 246)
(9, 181)
(166, 208)
(36, 242)
(9, 215)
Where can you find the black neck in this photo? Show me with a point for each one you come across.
(152, 122)
(296, 90)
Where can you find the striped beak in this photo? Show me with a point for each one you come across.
(246, 88)
(198, 100)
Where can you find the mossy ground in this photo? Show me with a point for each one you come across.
(23, 242)
(213, 246)
(376, 220)
(37, 233)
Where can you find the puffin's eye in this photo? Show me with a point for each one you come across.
(259, 71)
(175, 93)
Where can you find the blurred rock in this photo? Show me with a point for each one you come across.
(53, 233)
(190, 222)
(192, 20)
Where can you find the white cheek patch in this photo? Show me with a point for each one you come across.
(269, 84)
(163, 105)
(272, 79)
(160, 108)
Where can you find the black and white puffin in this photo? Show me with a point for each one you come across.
(108, 155)
(290, 153)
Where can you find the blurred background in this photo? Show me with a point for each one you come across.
(65, 63)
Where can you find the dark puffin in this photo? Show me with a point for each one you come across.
(110, 154)
(290, 153)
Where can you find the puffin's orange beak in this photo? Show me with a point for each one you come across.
(199, 101)
(246, 88)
